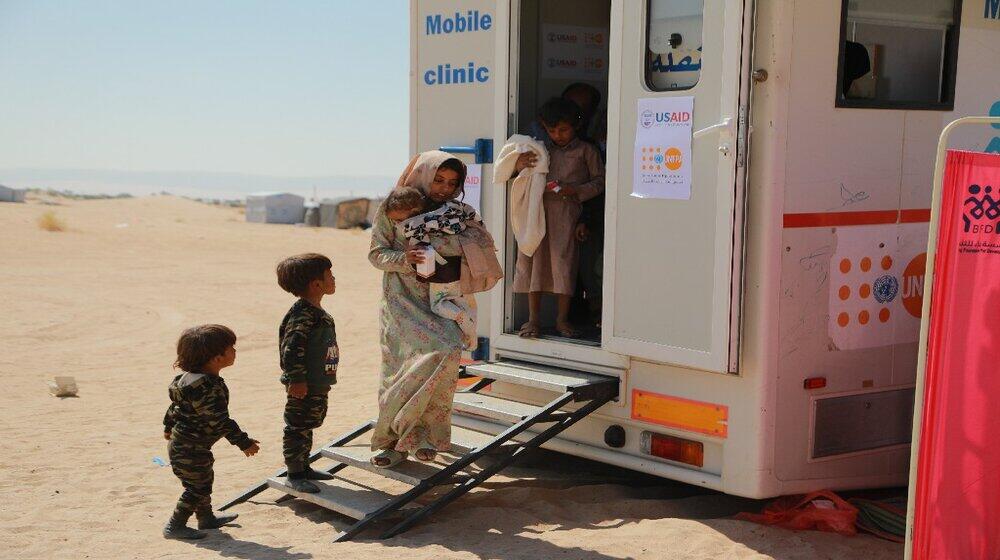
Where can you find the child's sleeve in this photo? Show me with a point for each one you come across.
(212, 407)
(382, 254)
(168, 419)
(294, 338)
(595, 185)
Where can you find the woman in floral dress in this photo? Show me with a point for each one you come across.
(420, 349)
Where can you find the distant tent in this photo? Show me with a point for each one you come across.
(373, 205)
(8, 194)
(275, 208)
(343, 213)
(312, 214)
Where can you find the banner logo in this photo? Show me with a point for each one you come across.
(885, 288)
(977, 208)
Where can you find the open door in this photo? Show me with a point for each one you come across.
(554, 48)
(672, 265)
(452, 93)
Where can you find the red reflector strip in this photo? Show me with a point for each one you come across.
(815, 383)
(674, 448)
(864, 218)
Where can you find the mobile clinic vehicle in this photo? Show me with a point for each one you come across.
(762, 329)
(769, 169)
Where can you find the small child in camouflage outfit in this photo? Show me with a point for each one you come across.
(198, 416)
(309, 356)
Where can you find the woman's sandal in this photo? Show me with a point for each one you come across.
(529, 330)
(388, 458)
(425, 452)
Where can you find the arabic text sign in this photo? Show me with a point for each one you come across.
(662, 155)
(958, 465)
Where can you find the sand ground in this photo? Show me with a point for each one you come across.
(104, 302)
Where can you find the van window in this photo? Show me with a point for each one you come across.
(898, 54)
(673, 44)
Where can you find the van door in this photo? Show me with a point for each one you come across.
(526, 80)
(452, 76)
(672, 259)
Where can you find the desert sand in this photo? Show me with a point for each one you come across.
(104, 301)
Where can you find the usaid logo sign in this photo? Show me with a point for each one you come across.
(649, 119)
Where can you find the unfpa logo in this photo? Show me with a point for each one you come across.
(655, 158)
(673, 159)
(977, 208)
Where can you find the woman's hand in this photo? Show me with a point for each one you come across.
(525, 160)
(415, 255)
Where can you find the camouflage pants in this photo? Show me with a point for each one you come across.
(192, 463)
(302, 416)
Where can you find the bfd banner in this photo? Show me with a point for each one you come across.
(662, 159)
(957, 504)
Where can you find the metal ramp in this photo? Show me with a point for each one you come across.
(455, 472)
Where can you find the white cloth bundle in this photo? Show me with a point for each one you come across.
(527, 215)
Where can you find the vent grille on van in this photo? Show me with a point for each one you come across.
(861, 422)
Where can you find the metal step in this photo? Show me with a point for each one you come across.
(340, 495)
(410, 472)
(583, 385)
(495, 408)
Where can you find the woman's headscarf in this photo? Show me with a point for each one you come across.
(422, 168)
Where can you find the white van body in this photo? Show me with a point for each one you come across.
(797, 256)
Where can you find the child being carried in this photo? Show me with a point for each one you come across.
(407, 206)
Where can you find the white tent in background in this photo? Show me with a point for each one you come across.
(8, 194)
(275, 208)
(343, 213)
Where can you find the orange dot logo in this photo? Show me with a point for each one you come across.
(884, 314)
(913, 285)
(865, 291)
(845, 292)
(845, 266)
(673, 159)
(863, 317)
(866, 264)
(886, 262)
(843, 319)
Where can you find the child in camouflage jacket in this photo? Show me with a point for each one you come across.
(309, 356)
(198, 416)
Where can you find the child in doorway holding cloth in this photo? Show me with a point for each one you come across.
(576, 175)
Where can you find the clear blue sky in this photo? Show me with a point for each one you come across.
(299, 88)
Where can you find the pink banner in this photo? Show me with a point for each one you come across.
(957, 509)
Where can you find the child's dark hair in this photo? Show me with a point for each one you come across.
(198, 345)
(591, 91)
(557, 110)
(405, 198)
(296, 272)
